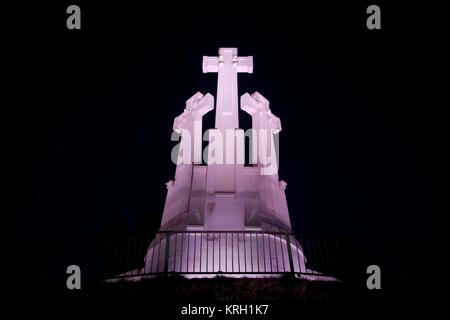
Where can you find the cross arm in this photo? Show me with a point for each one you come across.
(243, 64)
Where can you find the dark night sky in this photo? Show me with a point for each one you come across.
(362, 128)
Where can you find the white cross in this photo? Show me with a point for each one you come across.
(227, 65)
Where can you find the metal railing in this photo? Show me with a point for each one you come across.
(226, 252)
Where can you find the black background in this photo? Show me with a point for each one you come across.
(88, 128)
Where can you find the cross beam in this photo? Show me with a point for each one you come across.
(243, 64)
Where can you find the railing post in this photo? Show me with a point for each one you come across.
(291, 261)
(166, 257)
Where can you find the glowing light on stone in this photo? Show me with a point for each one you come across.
(226, 196)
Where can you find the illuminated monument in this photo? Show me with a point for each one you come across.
(247, 203)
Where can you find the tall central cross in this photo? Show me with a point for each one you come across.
(227, 64)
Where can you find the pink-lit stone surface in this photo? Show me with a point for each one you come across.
(226, 197)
